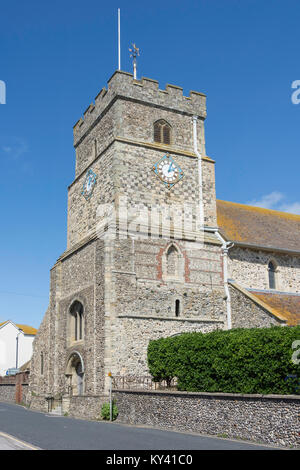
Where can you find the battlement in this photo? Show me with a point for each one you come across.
(123, 85)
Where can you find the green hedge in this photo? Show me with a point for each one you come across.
(256, 360)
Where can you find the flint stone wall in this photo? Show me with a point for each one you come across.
(269, 419)
(86, 407)
(8, 393)
(247, 314)
(250, 269)
(14, 388)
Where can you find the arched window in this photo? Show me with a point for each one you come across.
(77, 321)
(162, 132)
(172, 264)
(272, 275)
(172, 261)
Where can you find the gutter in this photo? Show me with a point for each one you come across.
(225, 248)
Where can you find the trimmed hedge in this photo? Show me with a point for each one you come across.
(255, 360)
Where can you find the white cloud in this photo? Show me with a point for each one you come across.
(293, 208)
(13, 148)
(268, 201)
(276, 201)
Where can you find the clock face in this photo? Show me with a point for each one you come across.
(168, 171)
(89, 183)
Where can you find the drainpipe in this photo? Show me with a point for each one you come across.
(17, 348)
(195, 145)
(225, 248)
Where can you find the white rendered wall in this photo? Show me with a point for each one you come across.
(8, 334)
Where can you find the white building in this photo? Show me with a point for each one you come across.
(15, 345)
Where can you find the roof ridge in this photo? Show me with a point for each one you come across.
(26, 329)
(268, 291)
(261, 209)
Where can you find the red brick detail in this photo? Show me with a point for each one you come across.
(186, 262)
(159, 263)
(18, 393)
(186, 267)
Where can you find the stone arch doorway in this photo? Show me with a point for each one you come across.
(75, 374)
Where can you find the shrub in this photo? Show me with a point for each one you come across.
(105, 411)
(255, 360)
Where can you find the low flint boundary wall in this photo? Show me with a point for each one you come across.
(14, 388)
(268, 419)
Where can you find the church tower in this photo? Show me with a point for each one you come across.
(142, 259)
(123, 135)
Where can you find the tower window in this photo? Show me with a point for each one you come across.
(272, 275)
(177, 308)
(42, 363)
(162, 132)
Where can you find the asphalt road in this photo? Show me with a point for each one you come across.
(51, 432)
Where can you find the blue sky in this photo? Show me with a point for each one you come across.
(55, 58)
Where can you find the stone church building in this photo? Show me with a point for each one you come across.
(150, 251)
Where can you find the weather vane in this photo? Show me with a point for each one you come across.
(135, 51)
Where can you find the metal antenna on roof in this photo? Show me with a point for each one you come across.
(119, 40)
(135, 51)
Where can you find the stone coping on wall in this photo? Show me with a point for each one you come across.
(210, 394)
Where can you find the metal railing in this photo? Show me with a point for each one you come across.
(133, 382)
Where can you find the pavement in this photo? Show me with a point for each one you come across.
(21, 428)
(8, 442)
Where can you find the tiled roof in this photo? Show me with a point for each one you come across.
(288, 305)
(257, 226)
(27, 330)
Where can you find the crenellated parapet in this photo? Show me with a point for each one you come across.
(122, 85)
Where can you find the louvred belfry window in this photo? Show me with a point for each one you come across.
(162, 132)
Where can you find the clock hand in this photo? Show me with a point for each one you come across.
(170, 168)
